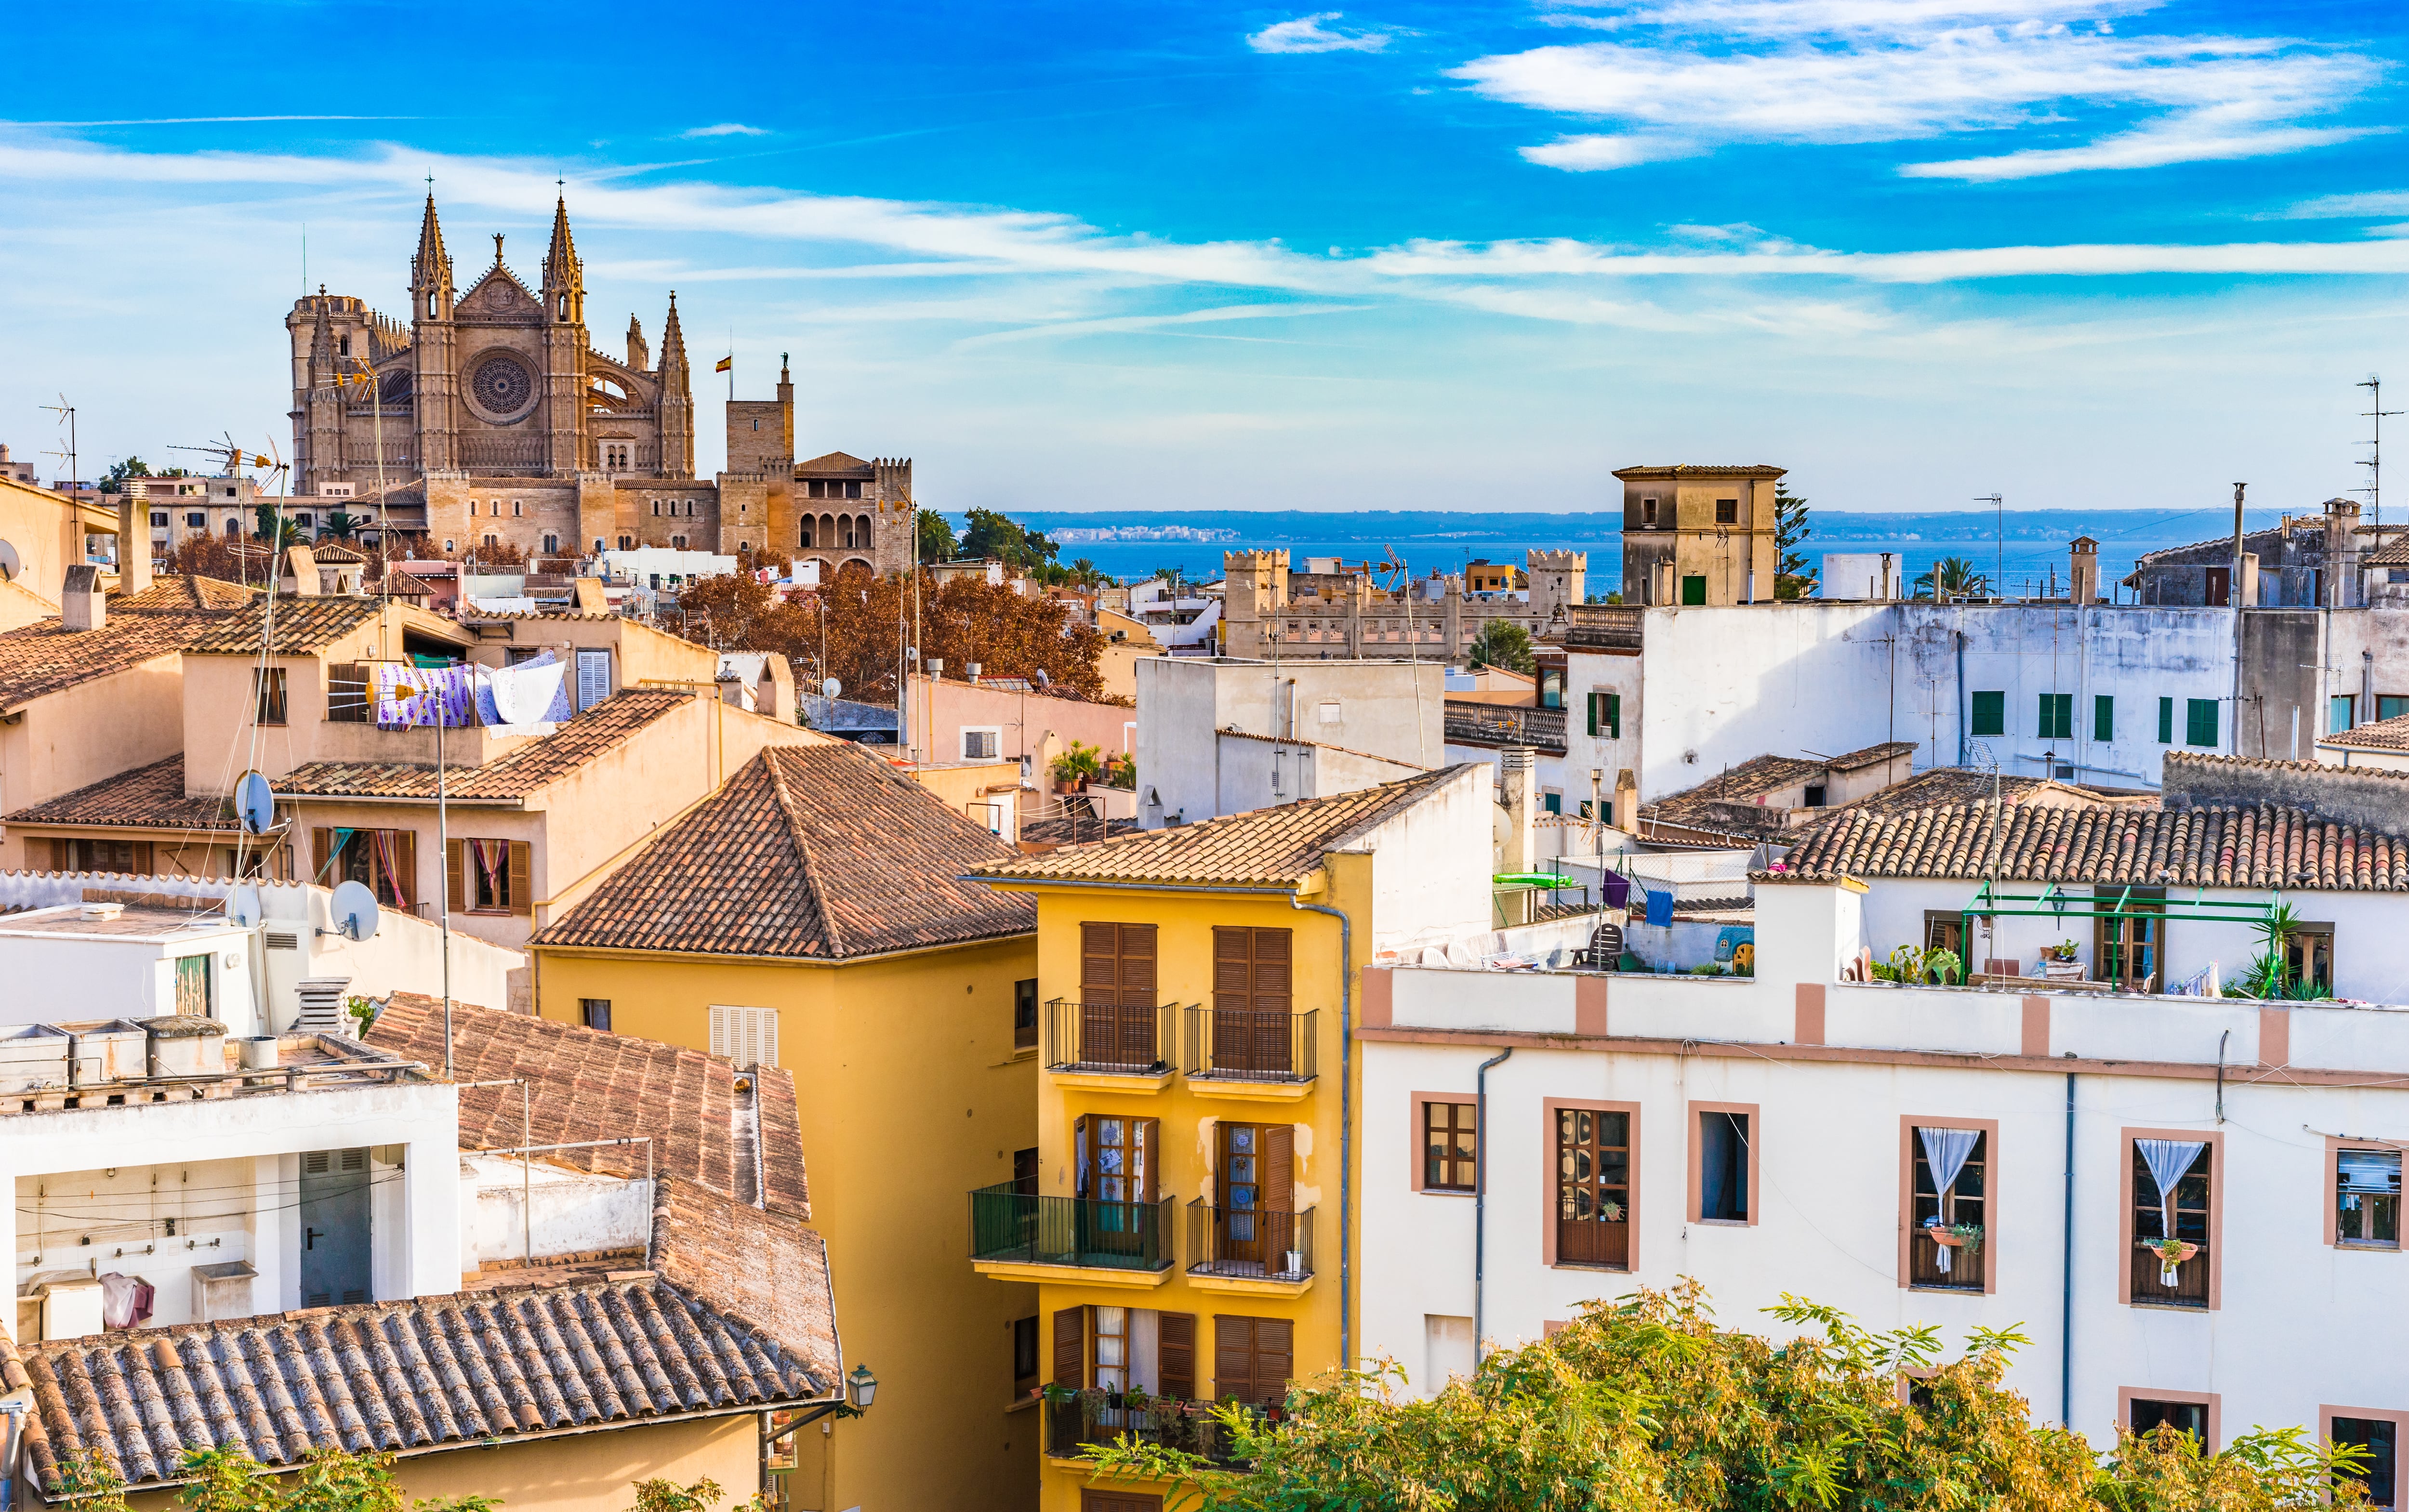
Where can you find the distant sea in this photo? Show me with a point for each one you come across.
(2022, 549)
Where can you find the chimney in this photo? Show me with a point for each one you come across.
(133, 543)
(80, 604)
(301, 570)
(1520, 774)
(2342, 522)
(1626, 801)
(2082, 572)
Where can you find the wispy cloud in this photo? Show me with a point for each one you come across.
(726, 128)
(1689, 76)
(1307, 34)
(2349, 207)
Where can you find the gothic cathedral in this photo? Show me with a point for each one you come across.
(492, 420)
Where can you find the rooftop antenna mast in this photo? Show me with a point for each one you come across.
(65, 412)
(1999, 548)
(2374, 462)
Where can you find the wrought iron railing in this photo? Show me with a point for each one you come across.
(1603, 627)
(1249, 1045)
(1011, 1225)
(1075, 1419)
(1249, 1242)
(2191, 1277)
(1109, 1035)
(1965, 1273)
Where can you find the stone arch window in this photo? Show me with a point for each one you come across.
(678, 541)
(803, 536)
(861, 531)
(656, 509)
(492, 542)
(564, 306)
(551, 545)
(517, 509)
(627, 543)
(448, 546)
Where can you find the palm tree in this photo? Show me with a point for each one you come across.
(1952, 577)
(337, 525)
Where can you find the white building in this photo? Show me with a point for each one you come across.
(1221, 735)
(1766, 1135)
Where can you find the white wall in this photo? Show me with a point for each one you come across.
(62, 973)
(573, 1212)
(1430, 882)
(1389, 709)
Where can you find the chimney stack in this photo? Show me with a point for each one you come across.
(81, 607)
(1519, 768)
(2083, 571)
(133, 543)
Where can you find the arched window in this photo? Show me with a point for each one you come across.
(804, 539)
(627, 543)
(516, 508)
(551, 545)
(564, 306)
(861, 532)
(678, 541)
(690, 509)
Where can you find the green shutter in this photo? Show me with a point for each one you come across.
(2200, 722)
(2103, 717)
(1596, 701)
(2166, 721)
(2390, 705)
(1693, 591)
(2057, 717)
(1614, 715)
(1990, 714)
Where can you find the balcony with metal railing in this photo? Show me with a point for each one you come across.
(1108, 1043)
(1249, 1250)
(1262, 1055)
(1014, 1232)
(1076, 1418)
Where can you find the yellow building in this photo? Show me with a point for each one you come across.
(811, 916)
(1699, 536)
(1187, 1219)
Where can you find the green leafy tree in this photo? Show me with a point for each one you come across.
(270, 529)
(1646, 1405)
(230, 1481)
(936, 537)
(1504, 643)
(113, 480)
(991, 533)
(1951, 577)
(1791, 579)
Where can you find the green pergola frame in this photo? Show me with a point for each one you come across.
(2057, 902)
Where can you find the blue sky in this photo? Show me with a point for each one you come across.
(1178, 255)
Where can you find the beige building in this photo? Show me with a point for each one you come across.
(496, 421)
(1273, 612)
(1699, 536)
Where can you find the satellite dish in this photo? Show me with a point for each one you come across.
(832, 688)
(356, 910)
(244, 907)
(254, 804)
(9, 565)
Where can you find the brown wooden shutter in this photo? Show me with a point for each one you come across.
(145, 854)
(322, 854)
(1176, 1345)
(405, 860)
(1098, 963)
(1274, 1357)
(1234, 1358)
(1280, 1168)
(1146, 1146)
(1232, 967)
(1137, 965)
(452, 889)
(1269, 990)
(1071, 1348)
(522, 889)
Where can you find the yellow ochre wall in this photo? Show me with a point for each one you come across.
(578, 1471)
(910, 1096)
(1184, 974)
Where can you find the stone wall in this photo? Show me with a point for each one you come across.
(2368, 796)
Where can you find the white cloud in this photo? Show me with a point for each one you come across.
(1306, 34)
(1692, 75)
(726, 128)
(2350, 207)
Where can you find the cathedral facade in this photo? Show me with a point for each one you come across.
(491, 419)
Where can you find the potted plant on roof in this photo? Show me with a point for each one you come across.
(2058, 964)
(1076, 767)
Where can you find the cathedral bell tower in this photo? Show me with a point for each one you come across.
(433, 346)
(564, 315)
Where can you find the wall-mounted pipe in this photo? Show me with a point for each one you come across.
(1481, 1196)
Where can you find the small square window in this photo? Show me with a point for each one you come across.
(1450, 1146)
(1727, 512)
(2200, 722)
(2056, 716)
(2367, 1198)
(596, 1012)
(2150, 1413)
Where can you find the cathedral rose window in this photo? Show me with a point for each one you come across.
(502, 385)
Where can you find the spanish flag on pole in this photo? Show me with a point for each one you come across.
(726, 364)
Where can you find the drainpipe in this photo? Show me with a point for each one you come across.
(2066, 1277)
(1960, 634)
(1346, 1122)
(1480, 1197)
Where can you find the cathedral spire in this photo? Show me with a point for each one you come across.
(322, 338)
(564, 279)
(430, 271)
(672, 338)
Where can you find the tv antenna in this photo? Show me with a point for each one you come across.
(230, 455)
(65, 412)
(1999, 560)
(2375, 460)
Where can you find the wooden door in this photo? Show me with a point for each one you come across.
(1117, 993)
(1092, 1500)
(1116, 1168)
(1592, 1188)
(1255, 1184)
(1252, 997)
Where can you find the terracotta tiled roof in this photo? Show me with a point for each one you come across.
(147, 797)
(1748, 782)
(1744, 470)
(302, 625)
(2377, 735)
(1275, 846)
(173, 591)
(44, 658)
(1871, 756)
(1943, 786)
(519, 774)
(835, 462)
(586, 1083)
(2139, 844)
(332, 554)
(816, 852)
(480, 1367)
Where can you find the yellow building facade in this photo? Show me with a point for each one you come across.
(778, 924)
(1185, 1224)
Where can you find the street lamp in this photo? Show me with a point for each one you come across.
(862, 1386)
